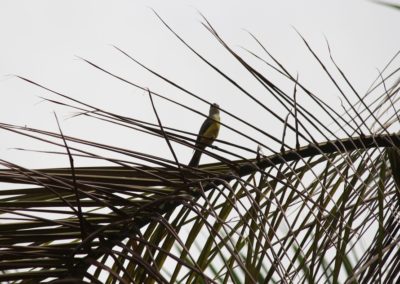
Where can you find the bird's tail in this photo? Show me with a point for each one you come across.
(194, 162)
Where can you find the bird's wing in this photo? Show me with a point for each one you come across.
(209, 129)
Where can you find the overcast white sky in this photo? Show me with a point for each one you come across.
(40, 39)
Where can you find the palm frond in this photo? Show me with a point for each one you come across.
(326, 211)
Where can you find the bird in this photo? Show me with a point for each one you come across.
(208, 133)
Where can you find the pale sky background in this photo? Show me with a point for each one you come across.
(40, 39)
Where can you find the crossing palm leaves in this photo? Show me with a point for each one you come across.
(322, 210)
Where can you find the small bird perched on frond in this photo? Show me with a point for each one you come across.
(208, 133)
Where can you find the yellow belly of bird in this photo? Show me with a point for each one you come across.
(211, 133)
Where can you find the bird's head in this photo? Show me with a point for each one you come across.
(214, 109)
